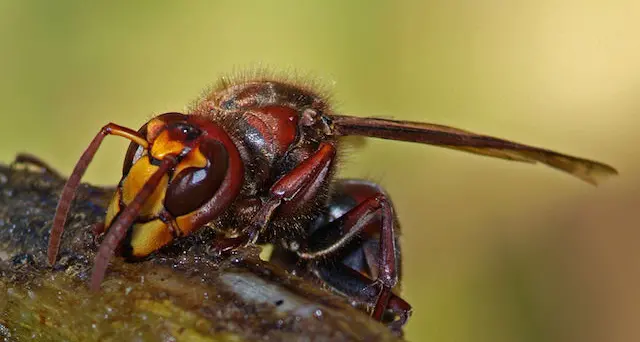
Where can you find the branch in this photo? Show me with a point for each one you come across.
(184, 292)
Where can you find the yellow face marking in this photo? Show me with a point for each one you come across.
(193, 159)
(185, 223)
(139, 174)
(113, 209)
(148, 237)
(154, 127)
(163, 145)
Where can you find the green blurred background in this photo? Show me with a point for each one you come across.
(494, 251)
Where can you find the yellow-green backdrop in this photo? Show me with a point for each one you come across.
(493, 251)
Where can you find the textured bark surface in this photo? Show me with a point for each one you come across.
(183, 293)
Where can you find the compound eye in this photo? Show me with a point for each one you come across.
(193, 186)
(134, 152)
(184, 132)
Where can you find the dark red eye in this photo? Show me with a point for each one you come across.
(193, 187)
(133, 152)
(182, 131)
(162, 122)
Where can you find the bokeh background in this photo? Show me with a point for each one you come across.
(494, 251)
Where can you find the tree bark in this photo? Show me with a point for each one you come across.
(183, 293)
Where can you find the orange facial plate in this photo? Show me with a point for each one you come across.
(135, 180)
(148, 237)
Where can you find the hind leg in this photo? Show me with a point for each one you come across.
(361, 233)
